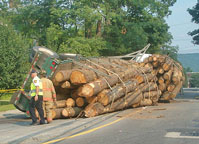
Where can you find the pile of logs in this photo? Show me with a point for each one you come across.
(101, 85)
(169, 73)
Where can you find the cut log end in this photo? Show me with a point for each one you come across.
(77, 77)
(85, 91)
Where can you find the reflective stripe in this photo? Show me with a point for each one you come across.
(47, 89)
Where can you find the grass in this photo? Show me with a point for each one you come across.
(7, 107)
(6, 96)
(5, 104)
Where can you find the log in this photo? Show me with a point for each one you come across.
(145, 77)
(98, 85)
(97, 108)
(145, 102)
(66, 84)
(161, 71)
(61, 104)
(92, 99)
(176, 90)
(70, 102)
(171, 87)
(63, 75)
(81, 102)
(145, 87)
(151, 94)
(165, 96)
(161, 80)
(107, 96)
(57, 113)
(132, 98)
(177, 74)
(168, 62)
(71, 112)
(155, 64)
(162, 87)
(82, 76)
(168, 75)
(94, 109)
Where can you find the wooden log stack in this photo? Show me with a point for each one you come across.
(102, 85)
(169, 74)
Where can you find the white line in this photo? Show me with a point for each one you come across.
(177, 135)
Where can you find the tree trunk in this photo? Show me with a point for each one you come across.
(107, 96)
(70, 102)
(63, 75)
(98, 85)
(71, 112)
(168, 75)
(98, 30)
(66, 85)
(176, 90)
(61, 104)
(81, 102)
(82, 76)
(57, 113)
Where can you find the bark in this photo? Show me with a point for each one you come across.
(71, 112)
(161, 80)
(168, 75)
(61, 104)
(98, 85)
(57, 113)
(146, 102)
(166, 66)
(82, 76)
(107, 96)
(176, 90)
(162, 87)
(63, 75)
(151, 94)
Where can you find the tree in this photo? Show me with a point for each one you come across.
(14, 57)
(194, 81)
(171, 51)
(123, 26)
(194, 12)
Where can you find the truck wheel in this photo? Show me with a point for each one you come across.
(65, 56)
(43, 50)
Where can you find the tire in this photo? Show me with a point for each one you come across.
(65, 56)
(44, 50)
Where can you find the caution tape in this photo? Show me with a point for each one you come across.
(10, 90)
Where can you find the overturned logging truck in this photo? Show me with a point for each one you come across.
(88, 87)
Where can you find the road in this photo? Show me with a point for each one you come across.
(176, 122)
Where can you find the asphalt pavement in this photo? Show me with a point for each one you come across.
(171, 123)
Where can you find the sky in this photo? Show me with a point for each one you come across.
(180, 24)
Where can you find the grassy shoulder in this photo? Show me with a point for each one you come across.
(7, 107)
(5, 103)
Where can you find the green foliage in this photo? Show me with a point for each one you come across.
(122, 25)
(171, 51)
(194, 12)
(83, 46)
(13, 60)
(194, 82)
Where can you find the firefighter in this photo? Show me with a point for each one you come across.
(36, 99)
(49, 95)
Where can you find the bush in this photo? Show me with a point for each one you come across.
(13, 57)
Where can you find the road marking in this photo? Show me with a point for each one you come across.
(94, 129)
(177, 135)
(83, 133)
